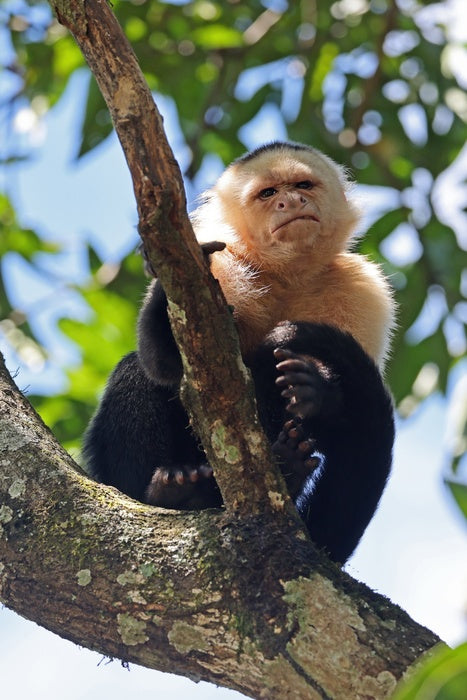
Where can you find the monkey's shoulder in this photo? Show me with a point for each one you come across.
(358, 298)
(358, 274)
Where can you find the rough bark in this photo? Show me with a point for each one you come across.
(245, 603)
(239, 596)
(227, 425)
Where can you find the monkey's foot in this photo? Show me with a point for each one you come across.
(296, 455)
(187, 487)
(306, 383)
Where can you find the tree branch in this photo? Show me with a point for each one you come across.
(220, 391)
(247, 604)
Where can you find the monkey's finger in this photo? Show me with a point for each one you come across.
(312, 463)
(301, 394)
(212, 247)
(292, 423)
(193, 474)
(295, 365)
(294, 433)
(294, 378)
(163, 475)
(294, 408)
(307, 392)
(306, 446)
(283, 354)
(179, 477)
(303, 408)
(289, 393)
(205, 471)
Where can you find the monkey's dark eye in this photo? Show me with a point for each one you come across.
(267, 192)
(304, 185)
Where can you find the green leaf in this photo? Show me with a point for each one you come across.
(407, 362)
(459, 491)
(16, 239)
(442, 676)
(97, 124)
(217, 36)
(382, 228)
(321, 68)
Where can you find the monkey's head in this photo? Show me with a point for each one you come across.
(283, 201)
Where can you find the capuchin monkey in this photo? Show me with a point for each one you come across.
(314, 322)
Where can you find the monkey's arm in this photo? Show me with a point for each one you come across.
(157, 350)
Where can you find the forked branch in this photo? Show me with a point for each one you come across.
(219, 391)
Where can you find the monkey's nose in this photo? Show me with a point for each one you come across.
(291, 201)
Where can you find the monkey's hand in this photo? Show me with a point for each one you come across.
(207, 248)
(212, 247)
(307, 384)
(183, 487)
(295, 452)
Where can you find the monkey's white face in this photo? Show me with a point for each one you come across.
(288, 211)
(289, 203)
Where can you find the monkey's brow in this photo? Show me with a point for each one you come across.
(276, 178)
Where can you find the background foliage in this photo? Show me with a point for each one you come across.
(368, 82)
(373, 83)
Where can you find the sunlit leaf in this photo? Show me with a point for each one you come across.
(217, 36)
(97, 124)
(459, 491)
(443, 676)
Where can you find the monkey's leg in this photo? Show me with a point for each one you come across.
(337, 391)
(345, 406)
(140, 442)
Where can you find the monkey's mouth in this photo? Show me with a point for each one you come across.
(309, 217)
